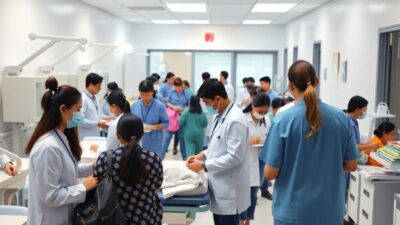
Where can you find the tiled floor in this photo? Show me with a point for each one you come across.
(262, 215)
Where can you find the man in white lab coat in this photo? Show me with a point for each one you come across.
(223, 77)
(225, 160)
(8, 165)
(91, 123)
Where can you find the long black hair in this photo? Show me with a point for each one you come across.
(384, 127)
(113, 86)
(118, 98)
(132, 168)
(169, 75)
(194, 105)
(51, 101)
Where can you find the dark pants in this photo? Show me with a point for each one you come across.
(226, 219)
(176, 139)
(264, 182)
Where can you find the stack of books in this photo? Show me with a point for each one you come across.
(390, 153)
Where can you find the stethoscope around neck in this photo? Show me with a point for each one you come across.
(216, 120)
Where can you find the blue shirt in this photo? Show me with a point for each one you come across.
(165, 89)
(272, 95)
(355, 129)
(154, 113)
(310, 187)
(176, 99)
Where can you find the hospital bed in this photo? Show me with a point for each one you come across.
(183, 209)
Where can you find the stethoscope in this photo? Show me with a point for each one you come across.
(216, 120)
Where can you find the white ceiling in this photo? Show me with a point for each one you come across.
(218, 11)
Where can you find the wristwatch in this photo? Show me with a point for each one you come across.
(203, 164)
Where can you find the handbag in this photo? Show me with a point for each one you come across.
(101, 206)
(173, 117)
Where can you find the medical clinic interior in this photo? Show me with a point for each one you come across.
(201, 112)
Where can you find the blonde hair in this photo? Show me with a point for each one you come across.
(302, 75)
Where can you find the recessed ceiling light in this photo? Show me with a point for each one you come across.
(256, 21)
(261, 7)
(187, 7)
(195, 21)
(165, 21)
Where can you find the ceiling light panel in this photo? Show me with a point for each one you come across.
(165, 21)
(195, 21)
(280, 8)
(176, 7)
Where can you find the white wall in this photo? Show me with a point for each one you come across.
(351, 28)
(18, 18)
(227, 37)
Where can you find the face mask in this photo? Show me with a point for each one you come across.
(211, 110)
(258, 116)
(75, 121)
(364, 114)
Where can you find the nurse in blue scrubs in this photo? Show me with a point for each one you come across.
(307, 149)
(154, 116)
(167, 86)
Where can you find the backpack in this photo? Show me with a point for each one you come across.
(101, 206)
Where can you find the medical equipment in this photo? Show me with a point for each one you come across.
(15, 70)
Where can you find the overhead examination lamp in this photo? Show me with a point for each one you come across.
(110, 49)
(50, 68)
(15, 70)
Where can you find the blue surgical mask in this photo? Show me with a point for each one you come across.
(364, 114)
(211, 110)
(75, 121)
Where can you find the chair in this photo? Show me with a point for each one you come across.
(12, 210)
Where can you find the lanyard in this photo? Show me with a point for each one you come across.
(217, 120)
(142, 108)
(93, 100)
(69, 152)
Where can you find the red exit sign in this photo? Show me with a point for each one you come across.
(209, 37)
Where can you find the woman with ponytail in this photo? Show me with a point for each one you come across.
(54, 155)
(118, 105)
(308, 148)
(137, 174)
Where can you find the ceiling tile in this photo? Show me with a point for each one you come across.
(192, 16)
(229, 7)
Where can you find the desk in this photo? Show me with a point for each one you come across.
(13, 182)
(13, 220)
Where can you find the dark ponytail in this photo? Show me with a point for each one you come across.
(118, 98)
(384, 127)
(302, 75)
(133, 168)
(51, 101)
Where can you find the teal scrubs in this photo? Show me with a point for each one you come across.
(154, 113)
(193, 125)
(310, 187)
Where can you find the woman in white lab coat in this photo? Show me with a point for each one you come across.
(259, 124)
(54, 154)
(118, 106)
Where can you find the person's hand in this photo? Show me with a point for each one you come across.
(199, 156)
(147, 128)
(375, 146)
(256, 140)
(195, 165)
(94, 147)
(90, 183)
(11, 169)
(102, 124)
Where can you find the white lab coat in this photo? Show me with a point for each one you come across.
(3, 160)
(53, 181)
(230, 91)
(256, 130)
(228, 164)
(242, 94)
(91, 116)
(112, 140)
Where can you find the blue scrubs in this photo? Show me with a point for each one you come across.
(154, 113)
(309, 189)
(181, 100)
(165, 89)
